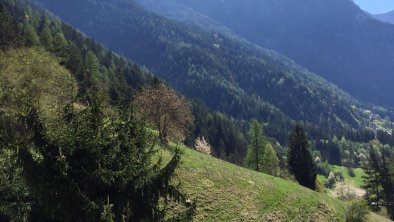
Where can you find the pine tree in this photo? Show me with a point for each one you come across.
(300, 159)
(372, 180)
(46, 37)
(386, 180)
(256, 146)
(98, 167)
(30, 35)
(270, 161)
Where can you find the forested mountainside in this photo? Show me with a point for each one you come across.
(70, 144)
(86, 135)
(118, 78)
(334, 39)
(227, 75)
(386, 17)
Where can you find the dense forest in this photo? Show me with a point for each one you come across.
(228, 76)
(355, 55)
(58, 87)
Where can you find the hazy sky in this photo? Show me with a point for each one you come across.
(376, 6)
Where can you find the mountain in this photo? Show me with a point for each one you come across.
(334, 39)
(71, 151)
(226, 74)
(386, 17)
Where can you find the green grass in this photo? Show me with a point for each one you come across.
(355, 181)
(377, 218)
(226, 192)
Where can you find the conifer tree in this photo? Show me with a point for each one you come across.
(30, 35)
(98, 167)
(387, 182)
(270, 161)
(256, 146)
(46, 37)
(372, 180)
(300, 159)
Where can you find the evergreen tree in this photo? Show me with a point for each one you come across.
(270, 161)
(300, 159)
(46, 37)
(30, 35)
(256, 148)
(372, 180)
(386, 180)
(97, 168)
(10, 35)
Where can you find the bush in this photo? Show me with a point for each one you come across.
(357, 211)
(351, 172)
(202, 146)
(331, 180)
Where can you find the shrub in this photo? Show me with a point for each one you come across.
(351, 172)
(202, 146)
(331, 180)
(357, 211)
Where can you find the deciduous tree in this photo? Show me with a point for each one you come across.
(163, 107)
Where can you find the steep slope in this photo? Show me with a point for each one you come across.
(225, 192)
(88, 61)
(227, 75)
(386, 17)
(334, 39)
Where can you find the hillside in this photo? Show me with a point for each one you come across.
(72, 148)
(334, 39)
(386, 17)
(225, 192)
(227, 75)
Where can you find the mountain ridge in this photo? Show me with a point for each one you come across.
(386, 17)
(334, 39)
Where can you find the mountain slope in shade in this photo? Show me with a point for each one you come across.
(230, 76)
(334, 39)
(386, 17)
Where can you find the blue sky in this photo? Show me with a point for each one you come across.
(376, 6)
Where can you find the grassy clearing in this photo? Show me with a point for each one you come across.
(377, 218)
(355, 181)
(226, 192)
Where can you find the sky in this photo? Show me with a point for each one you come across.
(376, 6)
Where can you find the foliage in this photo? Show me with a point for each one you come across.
(234, 78)
(169, 113)
(372, 180)
(357, 211)
(89, 168)
(387, 182)
(15, 199)
(307, 33)
(10, 36)
(257, 146)
(270, 161)
(300, 159)
(330, 181)
(224, 134)
(33, 75)
(351, 172)
(99, 164)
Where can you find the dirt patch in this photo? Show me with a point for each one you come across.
(347, 191)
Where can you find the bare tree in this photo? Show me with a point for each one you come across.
(164, 108)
